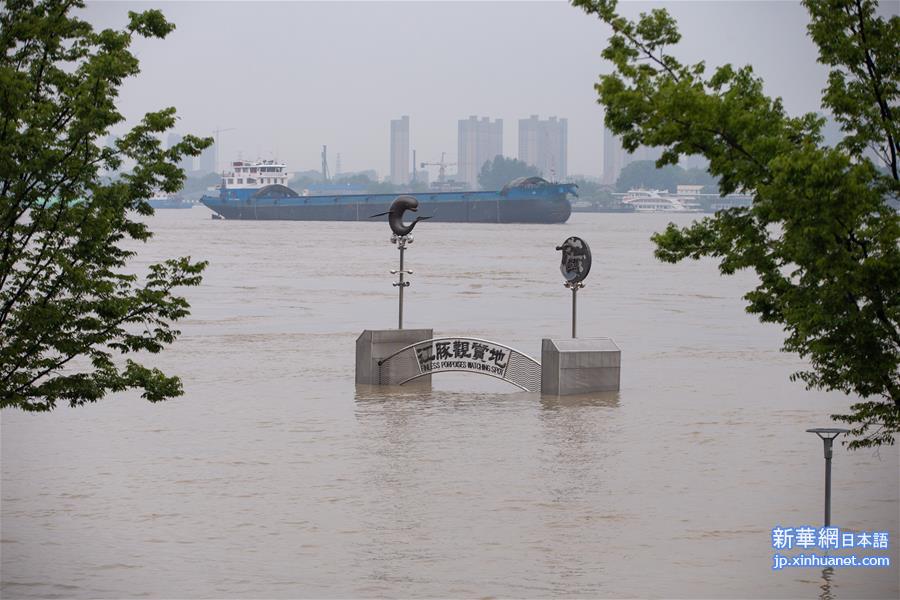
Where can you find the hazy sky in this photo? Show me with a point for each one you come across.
(292, 76)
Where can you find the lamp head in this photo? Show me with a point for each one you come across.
(827, 433)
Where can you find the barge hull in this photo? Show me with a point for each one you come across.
(502, 211)
(526, 200)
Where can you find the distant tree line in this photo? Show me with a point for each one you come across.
(501, 170)
(307, 179)
(595, 193)
(200, 182)
(644, 174)
(494, 175)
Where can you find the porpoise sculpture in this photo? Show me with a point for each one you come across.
(400, 205)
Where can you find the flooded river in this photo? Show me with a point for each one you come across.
(274, 476)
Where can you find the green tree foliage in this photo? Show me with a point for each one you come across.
(70, 306)
(819, 234)
(500, 171)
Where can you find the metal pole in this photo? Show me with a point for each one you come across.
(828, 454)
(400, 320)
(401, 242)
(574, 308)
(827, 435)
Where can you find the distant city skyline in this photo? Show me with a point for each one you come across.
(342, 81)
(540, 143)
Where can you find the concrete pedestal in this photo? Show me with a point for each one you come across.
(376, 344)
(579, 366)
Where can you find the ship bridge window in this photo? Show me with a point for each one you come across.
(251, 180)
(240, 181)
(231, 181)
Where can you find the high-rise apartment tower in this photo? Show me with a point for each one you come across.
(544, 144)
(479, 141)
(207, 161)
(400, 150)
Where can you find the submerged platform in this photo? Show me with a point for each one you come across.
(374, 345)
(580, 366)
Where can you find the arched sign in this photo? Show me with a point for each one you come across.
(470, 355)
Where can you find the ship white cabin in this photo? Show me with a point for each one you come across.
(245, 174)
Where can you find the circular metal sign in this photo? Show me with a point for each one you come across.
(576, 259)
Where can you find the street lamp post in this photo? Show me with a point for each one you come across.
(827, 434)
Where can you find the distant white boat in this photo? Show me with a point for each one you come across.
(660, 201)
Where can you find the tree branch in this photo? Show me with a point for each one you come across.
(877, 91)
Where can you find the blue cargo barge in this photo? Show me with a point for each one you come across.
(525, 200)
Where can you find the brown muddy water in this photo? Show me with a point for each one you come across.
(275, 476)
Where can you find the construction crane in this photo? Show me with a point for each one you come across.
(217, 131)
(442, 171)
